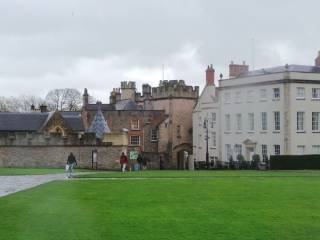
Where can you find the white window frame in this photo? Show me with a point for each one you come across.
(227, 97)
(264, 121)
(227, 122)
(251, 122)
(301, 149)
(315, 149)
(250, 95)
(264, 152)
(276, 93)
(154, 135)
(228, 152)
(277, 149)
(276, 121)
(237, 150)
(214, 139)
(315, 93)
(300, 93)
(263, 94)
(213, 119)
(239, 122)
(238, 97)
(300, 121)
(135, 142)
(135, 124)
(315, 121)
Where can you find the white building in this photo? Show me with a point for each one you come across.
(267, 112)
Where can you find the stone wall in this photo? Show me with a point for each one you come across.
(56, 156)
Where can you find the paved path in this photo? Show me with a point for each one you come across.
(12, 184)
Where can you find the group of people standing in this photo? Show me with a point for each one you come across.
(142, 163)
(72, 162)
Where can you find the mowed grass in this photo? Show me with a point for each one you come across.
(197, 208)
(201, 174)
(33, 171)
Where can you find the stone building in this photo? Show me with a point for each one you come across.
(45, 139)
(270, 111)
(177, 100)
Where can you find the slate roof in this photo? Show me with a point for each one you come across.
(74, 120)
(22, 121)
(32, 122)
(99, 125)
(128, 105)
(286, 68)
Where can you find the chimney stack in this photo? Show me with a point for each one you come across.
(236, 69)
(317, 60)
(85, 98)
(210, 75)
(43, 108)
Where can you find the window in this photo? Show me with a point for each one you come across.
(227, 122)
(300, 93)
(213, 119)
(250, 95)
(264, 152)
(251, 121)
(264, 122)
(276, 121)
(301, 149)
(263, 94)
(154, 135)
(214, 139)
(227, 97)
(300, 121)
(315, 93)
(239, 122)
(276, 149)
(238, 150)
(135, 124)
(315, 149)
(315, 121)
(135, 140)
(276, 93)
(238, 97)
(228, 152)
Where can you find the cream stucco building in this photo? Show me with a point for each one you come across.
(267, 112)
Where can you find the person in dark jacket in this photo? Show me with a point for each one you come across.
(140, 161)
(123, 162)
(71, 163)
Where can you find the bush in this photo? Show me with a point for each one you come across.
(232, 164)
(294, 162)
(255, 161)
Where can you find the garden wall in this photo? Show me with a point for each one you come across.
(56, 156)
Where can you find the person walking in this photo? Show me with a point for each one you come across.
(140, 161)
(123, 162)
(71, 163)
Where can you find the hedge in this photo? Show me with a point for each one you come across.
(294, 162)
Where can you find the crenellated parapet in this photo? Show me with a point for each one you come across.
(174, 89)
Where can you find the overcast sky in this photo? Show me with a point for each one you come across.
(96, 44)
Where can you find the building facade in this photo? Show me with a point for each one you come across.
(267, 112)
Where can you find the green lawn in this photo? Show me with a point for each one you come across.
(202, 174)
(270, 207)
(32, 171)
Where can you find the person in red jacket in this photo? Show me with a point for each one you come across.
(123, 162)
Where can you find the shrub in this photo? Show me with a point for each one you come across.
(294, 162)
(255, 161)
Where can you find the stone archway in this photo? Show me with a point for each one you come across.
(179, 155)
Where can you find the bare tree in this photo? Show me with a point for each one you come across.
(67, 99)
(3, 105)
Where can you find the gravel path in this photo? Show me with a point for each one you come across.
(12, 184)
